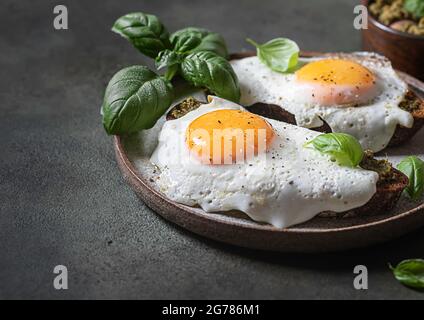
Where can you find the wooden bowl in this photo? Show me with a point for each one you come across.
(316, 235)
(404, 50)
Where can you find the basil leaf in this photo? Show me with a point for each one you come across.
(410, 273)
(207, 69)
(144, 31)
(413, 168)
(186, 41)
(343, 148)
(190, 40)
(416, 7)
(168, 58)
(135, 99)
(279, 54)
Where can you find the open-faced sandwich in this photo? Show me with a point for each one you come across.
(357, 93)
(291, 178)
(281, 138)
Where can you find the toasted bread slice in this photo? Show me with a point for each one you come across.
(275, 112)
(414, 105)
(390, 185)
(411, 103)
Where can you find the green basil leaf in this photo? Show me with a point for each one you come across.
(279, 54)
(413, 168)
(410, 273)
(416, 7)
(190, 40)
(343, 148)
(168, 58)
(144, 31)
(135, 99)
(185, 42)
(207, 69)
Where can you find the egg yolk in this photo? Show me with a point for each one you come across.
(228, 136)
(337, 82)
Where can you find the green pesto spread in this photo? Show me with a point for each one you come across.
(184, 107)
(382, 167)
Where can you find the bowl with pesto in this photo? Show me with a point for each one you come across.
(396, 30)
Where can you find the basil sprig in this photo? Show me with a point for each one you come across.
(416, 7)
(135, 99)
(144, 31)
(413, 168)
(342, 147)
(207, 69)
(280, 54)
(191, 40)
(410, 273)
(199, 56)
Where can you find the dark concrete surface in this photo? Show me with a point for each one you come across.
(63, 200)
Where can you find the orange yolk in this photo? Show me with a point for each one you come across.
(337, 81)
(228, 136)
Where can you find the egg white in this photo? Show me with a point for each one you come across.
(288, 185)
(372, 123)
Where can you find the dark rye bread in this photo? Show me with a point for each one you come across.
(414, 105)
(411, 103)
(390, 185)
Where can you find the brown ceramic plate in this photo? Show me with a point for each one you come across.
(316, 235)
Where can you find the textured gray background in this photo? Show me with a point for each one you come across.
(63, 200)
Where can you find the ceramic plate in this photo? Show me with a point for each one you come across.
(316, 235)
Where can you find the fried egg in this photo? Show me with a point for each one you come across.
(356, 93)
(269, 175)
